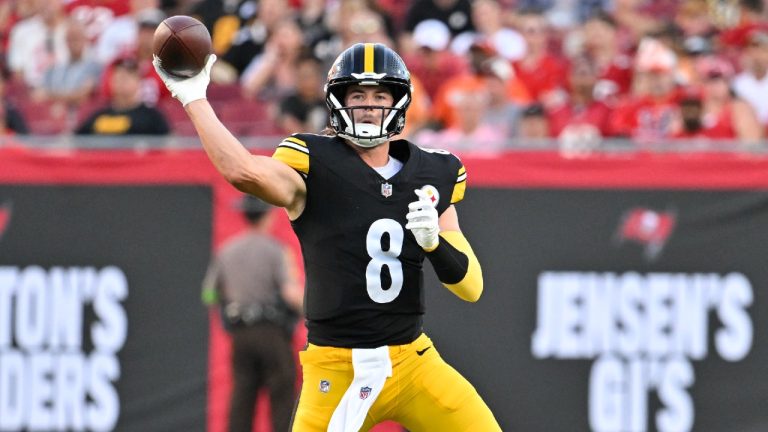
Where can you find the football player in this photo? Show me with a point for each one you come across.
(367, 211)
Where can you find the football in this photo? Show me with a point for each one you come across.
(182, 44)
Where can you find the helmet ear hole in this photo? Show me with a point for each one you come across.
(368, 64)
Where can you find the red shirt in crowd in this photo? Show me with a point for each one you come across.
(96, 15)
(618, 74)
(446, 66)
(549, 73)
(596, 114)
(645, 118)
(714, 126)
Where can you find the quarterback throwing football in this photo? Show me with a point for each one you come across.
(367, 210)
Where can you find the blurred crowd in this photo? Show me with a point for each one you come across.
(487, 74)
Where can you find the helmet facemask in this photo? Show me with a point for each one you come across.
(367, 135)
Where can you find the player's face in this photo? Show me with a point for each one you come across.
(369, 96)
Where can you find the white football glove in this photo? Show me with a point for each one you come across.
(423, 221)
(187, 90)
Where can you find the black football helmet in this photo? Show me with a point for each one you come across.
(368, 64)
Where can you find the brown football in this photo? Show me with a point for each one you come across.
(183, 44)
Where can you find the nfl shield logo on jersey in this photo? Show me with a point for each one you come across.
(386, 190)
(365, 392)
(325, 386)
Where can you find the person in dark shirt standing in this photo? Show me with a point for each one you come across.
(125, 113)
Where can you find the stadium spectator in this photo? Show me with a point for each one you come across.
(487, 18)
(565, 14)
(751, 84)
(502, 112)
(534, 124)
(304, 110)
(649, 114)
(541, 72)
(580, 106)
(472, 133)
(483, 60)
(13, 120)
(254, 280)
(125, 113)
(353, 21)
(96, 15)
(120, 37)
(11, 12)
(313, 20)
(696, 40)
(152, 89)
(251, 39)
(38, 42)
(419, 112)
(600, 41)
(272, 75)
(223, 19)
(432, 57)
(456, 14)
(74, 81)
(693, 19)
(638, 19)
(721, 116)
(8, 138)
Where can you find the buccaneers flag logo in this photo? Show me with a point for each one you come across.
(649, 228)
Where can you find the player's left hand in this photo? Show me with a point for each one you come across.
(423, 221)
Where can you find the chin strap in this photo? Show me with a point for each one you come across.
(456, 266)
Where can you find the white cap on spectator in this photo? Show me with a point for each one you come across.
(509, 43)
(150, 17)
(506, 42)
(432, 34)
(653, 55)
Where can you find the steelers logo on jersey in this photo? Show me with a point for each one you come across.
(432, 194)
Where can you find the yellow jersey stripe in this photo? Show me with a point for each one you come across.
(294, 146)
(458, 192)
(368, 63)
(294, 158)
(296, 140)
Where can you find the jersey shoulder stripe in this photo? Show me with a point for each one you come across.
(294, 152)
(452, 164)
(461, 185)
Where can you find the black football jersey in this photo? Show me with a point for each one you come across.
(364, 280)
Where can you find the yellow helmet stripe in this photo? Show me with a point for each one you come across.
(368, 59)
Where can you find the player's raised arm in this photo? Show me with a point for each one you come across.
(267, 178)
